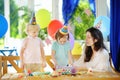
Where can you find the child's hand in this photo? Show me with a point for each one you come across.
(90, 71)
(43, 64)
(55, 65)
(22, 65)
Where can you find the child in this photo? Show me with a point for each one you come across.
(61, 53)
(32, 54)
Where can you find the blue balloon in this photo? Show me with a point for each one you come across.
(3, 26)
(103, 24)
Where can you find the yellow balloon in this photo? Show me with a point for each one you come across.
(77, 49)
(43, 18)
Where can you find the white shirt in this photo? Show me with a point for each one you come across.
(99, 62)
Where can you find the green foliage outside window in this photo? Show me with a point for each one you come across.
(81, 21)
(13, 19)
(24, 20)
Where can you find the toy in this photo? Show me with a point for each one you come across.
(73, 71)
(55, 74)
(65, 70)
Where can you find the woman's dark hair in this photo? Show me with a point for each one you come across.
(96, 34)
(59, 35)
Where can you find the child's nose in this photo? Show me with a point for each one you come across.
(64, 39)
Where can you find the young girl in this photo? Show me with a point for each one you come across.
(32, 54)
(95, 56)
(61, 52)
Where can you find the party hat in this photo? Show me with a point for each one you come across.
(64, 30)
(33, 20)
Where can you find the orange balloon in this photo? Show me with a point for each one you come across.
(53, 27)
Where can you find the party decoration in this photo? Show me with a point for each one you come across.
(40, 73)
(43, 18)
(64, 70)
(64, 30)
(48, 41)
(3, 26)
(73, 71)
(33, 20)
(69, 28)
(68, 8)
(30, 73)
(71, 39)
(88, 12)
(77, 49)
(53, 27)
(55, 74)
(103, 24)
(92, 6)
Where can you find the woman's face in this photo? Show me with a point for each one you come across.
(89, 39)
(63, 39)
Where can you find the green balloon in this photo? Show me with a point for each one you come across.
(43, 18)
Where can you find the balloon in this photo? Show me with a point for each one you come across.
(103, 24)
(43, 18)
(53, 27)
(71, 39)
(77, 49)
(3, 26)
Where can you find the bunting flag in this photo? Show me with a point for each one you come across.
(48, 41)
(88, 12)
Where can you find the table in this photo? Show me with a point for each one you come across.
(9, 52)
(94, 76)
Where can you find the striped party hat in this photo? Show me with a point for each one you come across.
(33, 20)
(64, 30)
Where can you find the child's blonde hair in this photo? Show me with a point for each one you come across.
(32, 27)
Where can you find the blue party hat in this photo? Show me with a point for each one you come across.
(33, 20)
(64, 30)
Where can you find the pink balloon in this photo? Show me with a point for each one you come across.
(71, 39)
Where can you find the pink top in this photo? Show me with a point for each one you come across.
(32, 52)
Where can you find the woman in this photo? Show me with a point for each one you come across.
(95, 56)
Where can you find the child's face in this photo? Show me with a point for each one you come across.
(63, 39)
(33, 30)
(33, 33)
